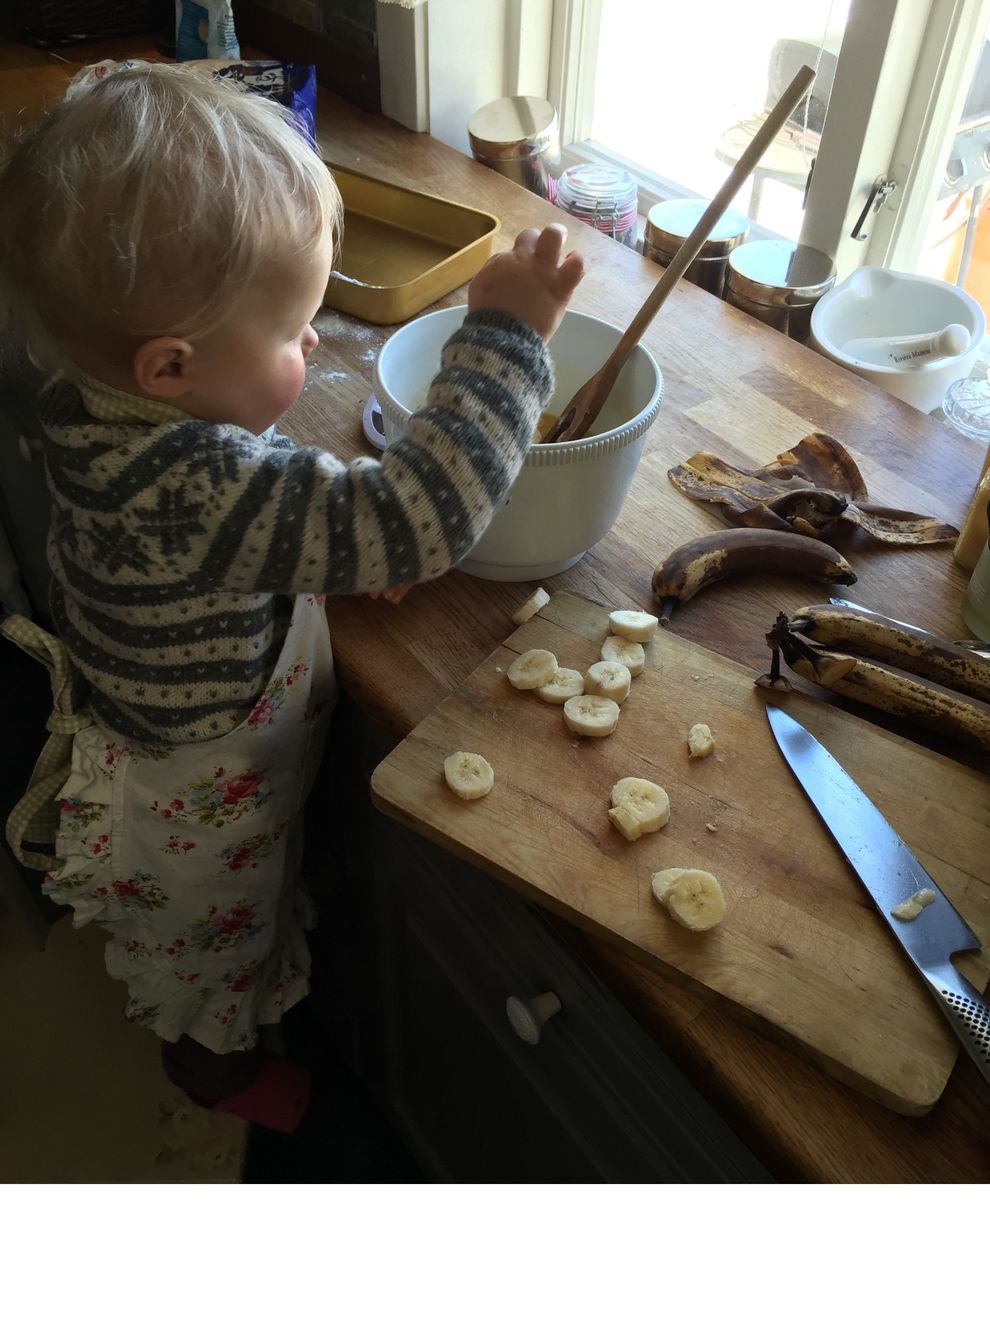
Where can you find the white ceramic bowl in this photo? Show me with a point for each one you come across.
(878, 302)
(567, 496)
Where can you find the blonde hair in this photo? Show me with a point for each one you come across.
(144, 205)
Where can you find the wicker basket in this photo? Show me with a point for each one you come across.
(59, 22)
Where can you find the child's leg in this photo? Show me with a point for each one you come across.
(207, 1077)
(253, 1084)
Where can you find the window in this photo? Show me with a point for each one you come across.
(902, 95)
(680, 104)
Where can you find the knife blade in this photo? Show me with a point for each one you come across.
(891, 873)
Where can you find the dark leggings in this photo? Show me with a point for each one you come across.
(207, 1077)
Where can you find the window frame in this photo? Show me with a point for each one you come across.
(901, 81)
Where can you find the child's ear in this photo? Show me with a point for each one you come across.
(161, 367)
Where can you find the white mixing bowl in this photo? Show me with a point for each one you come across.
(567, 496)
(878, 302)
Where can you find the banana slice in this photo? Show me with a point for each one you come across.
(700, 741)
(911, 907)
(638, 807)
(532, 669)
(621, 651)
(693, 898)
(531, 606)
(636, 625)
(594, 717)
(564, 684)
(468, 775)
(608, 678)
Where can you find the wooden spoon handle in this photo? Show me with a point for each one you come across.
(744, 166)
(605, 377)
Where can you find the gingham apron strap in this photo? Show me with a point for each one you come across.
(32, 824)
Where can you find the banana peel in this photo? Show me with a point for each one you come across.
(809, 489)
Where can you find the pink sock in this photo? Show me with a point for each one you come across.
(277, 1098)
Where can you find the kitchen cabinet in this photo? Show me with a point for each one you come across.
(443, 949)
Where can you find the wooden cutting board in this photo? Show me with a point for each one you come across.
(801, 950)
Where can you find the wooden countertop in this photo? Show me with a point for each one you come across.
(733, 386)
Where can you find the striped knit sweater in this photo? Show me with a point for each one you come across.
(176, 546)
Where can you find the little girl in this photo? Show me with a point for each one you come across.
(166, 240)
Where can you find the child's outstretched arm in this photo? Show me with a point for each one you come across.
(530, 282)
(292, 520)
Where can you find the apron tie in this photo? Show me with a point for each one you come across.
(33, 822)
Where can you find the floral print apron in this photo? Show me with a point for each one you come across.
(189, 855)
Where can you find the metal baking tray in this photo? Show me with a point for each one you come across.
(402, 250)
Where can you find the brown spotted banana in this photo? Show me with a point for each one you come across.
(914, 699)
(738, 550)
(875, 637)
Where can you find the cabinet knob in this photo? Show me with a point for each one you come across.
(527, 1016)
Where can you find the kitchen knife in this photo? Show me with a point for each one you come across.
(891, 873)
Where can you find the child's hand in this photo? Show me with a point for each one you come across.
(531, 281)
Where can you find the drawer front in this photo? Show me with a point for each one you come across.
(622, 1103)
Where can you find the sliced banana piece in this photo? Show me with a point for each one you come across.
(593, 717)
(693, 898)
(700, 741)
(468, 775)
(621, 651)
(563, 685)
(532, 605)
(911, 907)
(608, 678)
(532, 669)
(638, 807)
(636, 625)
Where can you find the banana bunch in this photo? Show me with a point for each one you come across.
(889, 665)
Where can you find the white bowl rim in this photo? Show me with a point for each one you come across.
(926, 368)
(559, 446)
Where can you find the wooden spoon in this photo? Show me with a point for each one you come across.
(576, 419)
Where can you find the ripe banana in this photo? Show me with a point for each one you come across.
(468, 775)
(737, 550)
(862, 632)
(693, 898)
(700, 742)
(531, 605)
(563, 685)
(532, 669)
(608, 678)
(623, 652)
(914, 699)
(638, 807)
(636, 625)
(593, 717)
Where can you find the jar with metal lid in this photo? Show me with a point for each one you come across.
(602, 197)
(778, 282)
(669, 224)
(518, 137)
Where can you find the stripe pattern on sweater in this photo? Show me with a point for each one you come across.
(176, 547)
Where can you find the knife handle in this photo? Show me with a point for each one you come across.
(966, 1011)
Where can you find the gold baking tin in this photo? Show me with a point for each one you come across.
(402, 249)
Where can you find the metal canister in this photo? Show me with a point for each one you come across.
(668, 225)
(518, 136)
(779, 282)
